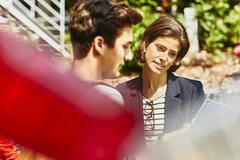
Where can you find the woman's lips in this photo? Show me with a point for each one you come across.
(161, 65)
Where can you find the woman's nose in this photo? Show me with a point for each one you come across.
(164, 56)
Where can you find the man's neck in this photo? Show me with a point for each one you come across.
(87, 69)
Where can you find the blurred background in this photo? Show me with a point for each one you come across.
(213, 28)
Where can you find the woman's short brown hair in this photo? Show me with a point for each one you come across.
(165, 26)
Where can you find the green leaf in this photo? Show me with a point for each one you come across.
(207, 7)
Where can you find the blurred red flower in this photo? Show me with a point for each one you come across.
(236, 50)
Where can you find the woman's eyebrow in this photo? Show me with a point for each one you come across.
(160, 45)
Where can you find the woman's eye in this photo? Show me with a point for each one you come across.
(172, 54)
(160, 48)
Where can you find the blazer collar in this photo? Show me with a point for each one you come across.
(138, 84)
(173, 89)
(173, 85)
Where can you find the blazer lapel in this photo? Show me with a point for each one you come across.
(172, 104)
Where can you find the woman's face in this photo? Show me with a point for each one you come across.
(161, 53)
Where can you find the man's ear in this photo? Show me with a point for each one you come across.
(99, 44)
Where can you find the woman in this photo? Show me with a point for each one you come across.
(161, 101)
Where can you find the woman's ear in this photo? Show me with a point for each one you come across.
(177, 62)
(143, 51)
(144, 47)
(99, 45)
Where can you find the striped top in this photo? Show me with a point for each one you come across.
(154, 118)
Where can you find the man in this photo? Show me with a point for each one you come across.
(101, 34)
(42, 109)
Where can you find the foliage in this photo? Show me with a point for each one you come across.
(219, 25)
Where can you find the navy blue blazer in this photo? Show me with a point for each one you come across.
(184, 98)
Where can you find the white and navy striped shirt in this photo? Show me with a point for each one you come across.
(154, 118)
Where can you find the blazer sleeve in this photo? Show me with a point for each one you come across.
(198, 97)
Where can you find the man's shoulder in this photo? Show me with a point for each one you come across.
(128, 84)
(111, 92)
